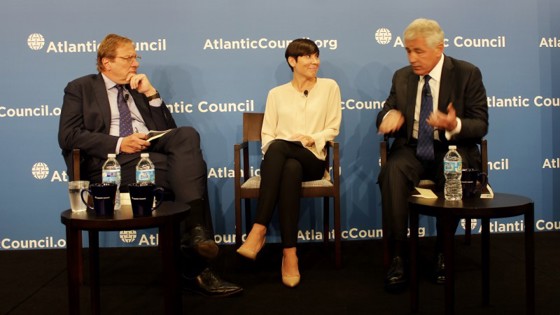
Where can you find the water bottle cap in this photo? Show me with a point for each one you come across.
(144, 155)
(452, 147)
(111, 155)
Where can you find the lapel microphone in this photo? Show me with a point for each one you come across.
(126, 93)
(306, 92)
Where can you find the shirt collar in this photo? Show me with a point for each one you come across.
(109, 84)
(435, 74)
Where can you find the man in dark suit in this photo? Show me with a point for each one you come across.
(111, 112)
(458, 116)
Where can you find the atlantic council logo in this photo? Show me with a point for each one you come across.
(127, 236)
(474, 222)
(36, 41)
(40, 170)
(383, 36)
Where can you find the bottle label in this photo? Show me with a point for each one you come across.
(111, 176)
(145, 176)
(452, 166)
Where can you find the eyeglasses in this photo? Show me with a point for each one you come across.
(130, 59)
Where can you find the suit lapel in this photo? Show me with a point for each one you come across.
(411, 91)
(103, 101)
(446, 85)
(446, 93)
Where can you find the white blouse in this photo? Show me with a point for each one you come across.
(317, 114)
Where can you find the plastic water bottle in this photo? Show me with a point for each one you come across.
(452, 168)
(145, 170)
(111, 173)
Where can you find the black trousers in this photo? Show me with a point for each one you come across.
(284, 167)
(400, 174)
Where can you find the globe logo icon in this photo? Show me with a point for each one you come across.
(35, 41)
(383, 36)
(127, 236)
(40, 170)
(473, 224)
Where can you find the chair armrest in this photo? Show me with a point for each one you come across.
(240, 146)
(484, 155)
(76, 161)
(384, 147)
(333, 153)
(383, 151)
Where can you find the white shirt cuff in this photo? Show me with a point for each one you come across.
(450, 134)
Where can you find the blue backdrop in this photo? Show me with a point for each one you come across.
(213, 60)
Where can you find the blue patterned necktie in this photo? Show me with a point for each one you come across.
(425, 148)
(125, 119)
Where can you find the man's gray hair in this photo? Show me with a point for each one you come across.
(427, 29)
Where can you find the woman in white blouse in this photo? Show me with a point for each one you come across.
(300, 117)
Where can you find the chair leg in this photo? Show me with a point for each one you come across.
(337, 233)
(248, 220)
(326, 221)
(80, 260)
(238, 224)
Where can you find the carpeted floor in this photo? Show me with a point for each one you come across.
(34, 282)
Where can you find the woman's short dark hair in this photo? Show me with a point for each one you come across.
(301, 47)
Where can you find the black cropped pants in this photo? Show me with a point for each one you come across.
(284, 167)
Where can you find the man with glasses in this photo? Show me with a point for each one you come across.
(111, 112)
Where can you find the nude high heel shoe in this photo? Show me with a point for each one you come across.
(290, 281)
(249, 253)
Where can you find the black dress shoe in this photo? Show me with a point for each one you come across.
(208, 283)
(439, 273)
(202, 243)
(396, 281)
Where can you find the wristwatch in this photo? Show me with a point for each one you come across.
(153, 97)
